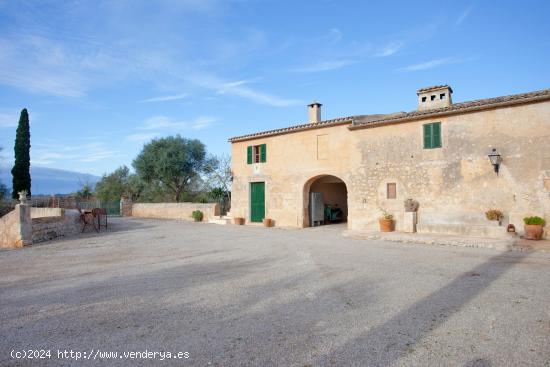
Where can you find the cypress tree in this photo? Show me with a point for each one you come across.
(21, 169)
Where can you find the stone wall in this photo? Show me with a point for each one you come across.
(50, 223)
(25, 225)
(454, 184)
(16, 228)
(46, 212)
(174, 210)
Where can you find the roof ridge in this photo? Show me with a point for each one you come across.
(466, 106)
(459, 107)
(302, 126)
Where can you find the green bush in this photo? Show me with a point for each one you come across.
(197, 215)
(534, 220)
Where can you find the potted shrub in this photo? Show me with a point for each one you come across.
(197, 215)
(387, 224)
(494, 215)
(533, 227)
(238, 221)
(268, 222)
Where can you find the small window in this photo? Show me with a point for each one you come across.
(423, 99)
(442, 96)
(432, 135)
(391, 190)
(256, 154)
(432, 97)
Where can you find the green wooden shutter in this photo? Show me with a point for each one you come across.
(436, 135)
(249, 154)
(427, 136)
(263, 153)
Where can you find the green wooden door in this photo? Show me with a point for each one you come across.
(257, 201)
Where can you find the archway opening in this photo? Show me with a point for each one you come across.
(327, 201)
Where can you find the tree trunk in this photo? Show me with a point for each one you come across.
(177, 194)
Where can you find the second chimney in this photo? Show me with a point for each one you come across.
(314, 112)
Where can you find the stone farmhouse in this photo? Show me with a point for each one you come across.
(437, 155)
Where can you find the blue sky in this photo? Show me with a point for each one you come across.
(100, 78)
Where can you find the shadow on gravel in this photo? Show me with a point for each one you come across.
(116, 225)
(398, 336)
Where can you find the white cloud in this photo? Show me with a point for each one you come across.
(140, 138)
(202, 123)
(263, 98)
(57, 152)
(9, 118)
(39, 65)
(324, 66)
(465, 14)
(390, 49)
(227, 87)
(240, 89)
(174, 97)
(434, 63)
(163, 123)
(69, 63)
(335, 35)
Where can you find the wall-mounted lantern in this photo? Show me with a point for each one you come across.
(495, 159)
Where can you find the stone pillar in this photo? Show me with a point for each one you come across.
(16, 227)
(125, 207)
(23, 214)
(409, 222)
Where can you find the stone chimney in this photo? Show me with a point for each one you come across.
(437, 96)
(314, 112)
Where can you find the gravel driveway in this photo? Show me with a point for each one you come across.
(252, 296)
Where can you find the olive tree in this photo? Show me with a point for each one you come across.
(172, 161)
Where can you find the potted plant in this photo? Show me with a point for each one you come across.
(533, 227)
(494, 215)
(238, 221)
(387, 224)
(268, 222)
(197, 215)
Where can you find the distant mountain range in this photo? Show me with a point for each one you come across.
(48, 181)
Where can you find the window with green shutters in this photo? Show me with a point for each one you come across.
(256, 154)
(432, 135)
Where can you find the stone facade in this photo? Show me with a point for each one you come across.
(455, 183)
(174, 210)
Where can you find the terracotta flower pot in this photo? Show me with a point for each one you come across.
(238, 221)
(386, 225)
(533, 231)
(268, 222)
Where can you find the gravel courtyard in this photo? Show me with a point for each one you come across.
(252, 296)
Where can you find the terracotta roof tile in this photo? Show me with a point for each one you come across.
(433, 87)
(308, 126)
(470, 106)
(366, 121)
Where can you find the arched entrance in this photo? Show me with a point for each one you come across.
(325, 201)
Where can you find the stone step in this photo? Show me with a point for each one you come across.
(487, 231)
(221, 221)
(502, 244)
